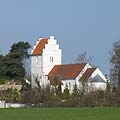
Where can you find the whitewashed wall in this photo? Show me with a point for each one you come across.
(52, 55)
(69, 83)
(41, 65)
(36, 68)
(3, 104)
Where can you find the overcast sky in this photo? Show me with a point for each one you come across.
(78, 25)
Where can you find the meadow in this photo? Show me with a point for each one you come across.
(109, 113)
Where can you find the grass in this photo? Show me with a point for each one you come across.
(60, 114)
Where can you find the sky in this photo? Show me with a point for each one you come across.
(78, 25)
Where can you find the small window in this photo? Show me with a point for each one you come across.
(51, 59)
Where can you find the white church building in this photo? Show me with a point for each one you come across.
(45, 54)
(46, 65)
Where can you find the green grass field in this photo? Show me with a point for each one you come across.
(60, 114)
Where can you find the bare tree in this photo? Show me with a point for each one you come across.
(115, 61)
(83, 58)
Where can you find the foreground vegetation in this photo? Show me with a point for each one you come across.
(60, 114)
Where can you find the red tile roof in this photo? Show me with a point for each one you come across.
(86, 75)
(67, 71)
(40, 46)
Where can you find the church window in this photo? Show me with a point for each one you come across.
(51, 59)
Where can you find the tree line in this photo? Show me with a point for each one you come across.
(12, 64)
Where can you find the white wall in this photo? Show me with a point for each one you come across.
(3, 104)
(69, 83)
(52, 55)
(96, 86)
(36, 68)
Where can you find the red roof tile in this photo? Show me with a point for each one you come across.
(40, 46)
(86, 75)
(67, 71)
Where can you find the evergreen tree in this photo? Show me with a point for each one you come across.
(12, 65)
(76, 92)
(66, 93)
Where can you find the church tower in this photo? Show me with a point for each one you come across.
(45, 54)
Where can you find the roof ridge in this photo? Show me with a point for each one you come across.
(73, 64)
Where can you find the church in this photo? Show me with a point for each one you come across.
(46, 66)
